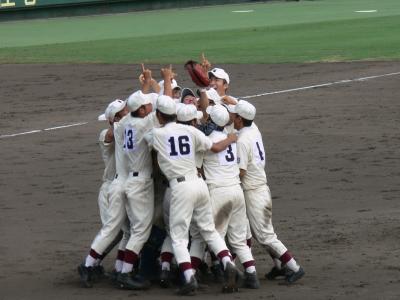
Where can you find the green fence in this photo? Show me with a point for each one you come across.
(30, 9)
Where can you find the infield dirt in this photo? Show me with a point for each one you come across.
(333, 168)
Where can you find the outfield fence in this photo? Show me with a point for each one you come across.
(30, 9)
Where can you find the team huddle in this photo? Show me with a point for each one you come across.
(184, 190)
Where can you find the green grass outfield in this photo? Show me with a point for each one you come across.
(320, 30)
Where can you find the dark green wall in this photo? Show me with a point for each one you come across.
(32, 9)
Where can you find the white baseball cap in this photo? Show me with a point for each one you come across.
(219, 73)
(113, 108)
(187, 112)
(213, 95)
(245, 110)
(174, 84)
(218, 114)
(166, 105)
(137, 99)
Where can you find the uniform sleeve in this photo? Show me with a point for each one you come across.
(149, 138)
(202, 143)
(243, 153)
(102, 138)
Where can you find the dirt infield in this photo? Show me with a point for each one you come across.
(333, 168)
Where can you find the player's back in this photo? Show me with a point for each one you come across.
(176, 145)
(251, 157)
(137, 152)
(221, 169)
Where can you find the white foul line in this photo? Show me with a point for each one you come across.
(65, 126)
(319, 85)
(243, 97)
(40, 130)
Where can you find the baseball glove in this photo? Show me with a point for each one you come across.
(197, 73)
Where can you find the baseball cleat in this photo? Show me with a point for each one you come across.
(188, 288)
(128, 282)
(294, 276)
(165, 279)
(86, 274)
(217, 273)
(275, 272)
(251, 281)
(98, 272)
(232, 279)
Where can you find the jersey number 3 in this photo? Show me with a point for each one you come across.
(183, 143)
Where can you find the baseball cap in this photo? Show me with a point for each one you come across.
(213, 95)
(245, 110)
(113, 108)
(137, 99)
(187, 112)
(186, 92)
(218, 114)
(219, 73)
(166, 105)
(174, 84)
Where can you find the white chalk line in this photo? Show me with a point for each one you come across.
(243, 97)
(41, 130)
(319, 85)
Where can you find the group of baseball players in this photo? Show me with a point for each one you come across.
(184, 190)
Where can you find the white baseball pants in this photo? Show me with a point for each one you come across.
(190, 200)
(140, 209)
(259, 213)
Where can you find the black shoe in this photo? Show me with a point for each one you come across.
(251, 281)
(294, 276)
(218, 274)
(98, 272)
(188, 288)
(86, 274)
(232, 279)
(113, 276)
(127, 282)
(275, 272)
(165, 279)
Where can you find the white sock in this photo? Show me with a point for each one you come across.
(127, 267)
(90, 261)
(225, 260)
(165, 266)
(292, 265)
(188, 274)
(251, 269)
(118, 265)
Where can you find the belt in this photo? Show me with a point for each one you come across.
(141, 174)
(180, 179)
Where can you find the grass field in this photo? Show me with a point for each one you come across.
(324, 30)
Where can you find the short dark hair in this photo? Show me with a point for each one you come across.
(185, 123)
(135, 113)
(247, 123)
(167, 118)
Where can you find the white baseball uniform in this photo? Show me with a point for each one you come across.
(251, 157)
(139, 186)
(176, 145)
(116, 210)
(227, 199)
(108, 156)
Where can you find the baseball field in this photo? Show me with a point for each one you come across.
(324, 76)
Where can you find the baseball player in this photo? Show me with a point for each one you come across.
(176, 146)
(115, 211)
(227, 200)
(251, 159)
